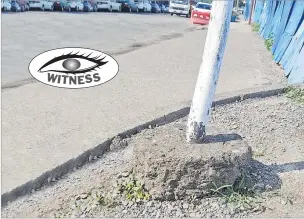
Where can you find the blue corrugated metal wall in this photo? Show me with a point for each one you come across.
(283, 20)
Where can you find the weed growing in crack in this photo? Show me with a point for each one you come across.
(133, 190)
(241, 196)
(295, 93)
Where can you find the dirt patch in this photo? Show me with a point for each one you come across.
(273, 127)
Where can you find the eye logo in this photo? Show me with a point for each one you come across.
(73, 67)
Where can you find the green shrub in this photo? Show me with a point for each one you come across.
(269, 41)
(255, 27)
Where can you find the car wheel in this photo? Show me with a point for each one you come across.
(188, 15)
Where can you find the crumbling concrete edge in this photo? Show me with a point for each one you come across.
(92, 154)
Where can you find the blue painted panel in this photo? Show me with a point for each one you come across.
(295, 17)
(291, 54)
(285, 20)
(258, 10)
(291, 28)
(285, 39)
(273, 22)
(281, 41)
(267, 17)
(247, 9)
(296, 76)
(277, 20)
(269, 22)
(263, 17)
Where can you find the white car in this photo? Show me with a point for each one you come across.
(75, 5)
(6, 5)
(110, 5)
(41, 4)
(143, 5)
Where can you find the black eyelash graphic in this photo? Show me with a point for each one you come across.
(97, 61)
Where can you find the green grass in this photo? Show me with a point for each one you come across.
(255, 27)
(241, 195)
(295, 94)
(133, 189)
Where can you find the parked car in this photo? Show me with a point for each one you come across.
(41, 5)
(162, 8)
(155, 8)
(20, 5)
(143, 5)
(6, 5)
(59, 5)
(109, 5)
(201, 13)
(128, 5)
(15, 6)
(166, 9)
(74, 5)
(89, 5)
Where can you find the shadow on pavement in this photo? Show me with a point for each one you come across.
(287, 167)
(221, 138)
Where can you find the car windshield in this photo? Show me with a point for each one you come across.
(183, 2)
(203, 6)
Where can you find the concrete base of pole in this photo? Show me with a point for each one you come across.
(173, 169)
(197, 134)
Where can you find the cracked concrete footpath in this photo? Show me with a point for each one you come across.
(44, 126)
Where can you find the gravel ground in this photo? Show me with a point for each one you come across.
(273, 127)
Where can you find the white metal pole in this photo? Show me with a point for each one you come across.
(237, 7)
(210, 68)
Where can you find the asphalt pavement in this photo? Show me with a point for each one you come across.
(159, 58)
(25, 35)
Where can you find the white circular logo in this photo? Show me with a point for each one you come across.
(73, 67)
